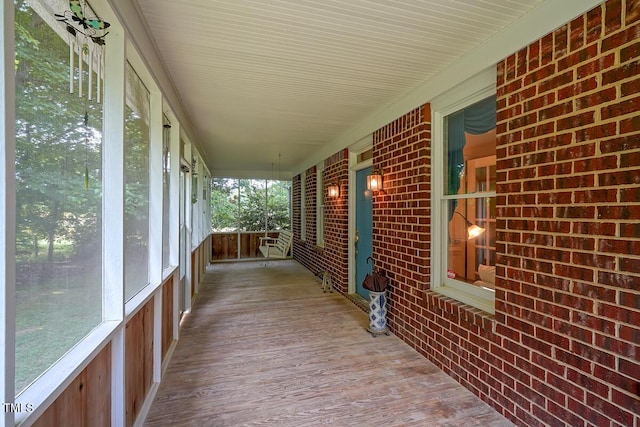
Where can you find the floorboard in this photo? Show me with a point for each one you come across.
(264, 346)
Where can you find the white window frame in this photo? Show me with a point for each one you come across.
(51, 383)
(320, 204)
(37, 397)
(154, 274)
(477, 88)
(303, 205)
(174, 166)
(7, 212)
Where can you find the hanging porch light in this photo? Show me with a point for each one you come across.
(374, 181)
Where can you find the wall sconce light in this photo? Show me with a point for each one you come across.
(334, 190)
(374, 181)
(473, 230)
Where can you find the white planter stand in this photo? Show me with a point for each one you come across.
(378, 313)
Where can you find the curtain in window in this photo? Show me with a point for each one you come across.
(480, 117)
(455, 145)
(476, 119)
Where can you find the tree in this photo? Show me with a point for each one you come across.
(251, 212)
(58, 151)
(249, 204)
(278, 205)
(224, 204)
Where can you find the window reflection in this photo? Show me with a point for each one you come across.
(471, 171)
(58, 198)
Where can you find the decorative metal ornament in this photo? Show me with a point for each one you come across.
(89, 27)
(86, 40)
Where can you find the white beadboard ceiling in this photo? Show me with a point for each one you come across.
(268, 83)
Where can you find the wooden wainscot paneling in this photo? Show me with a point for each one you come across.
(86, 402)
(138, 360)
(194, 278)
(203, 256)
(249, 245)
(167, 315)
(224, 246)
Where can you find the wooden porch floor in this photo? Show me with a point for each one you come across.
(265, 347)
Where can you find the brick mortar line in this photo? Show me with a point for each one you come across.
(569, 174)
(580, 251)
(553, 120)
(600, 54)
(584, 267)
(570, 204)
(571, 190)
(580, 236)
(574, 144)
(573, 339)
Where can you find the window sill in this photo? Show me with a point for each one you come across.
(474, 300)
(137, 301)
(448, 300)
(168, 272)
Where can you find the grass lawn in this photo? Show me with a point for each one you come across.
(51, 317)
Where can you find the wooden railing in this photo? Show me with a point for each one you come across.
(237, 245)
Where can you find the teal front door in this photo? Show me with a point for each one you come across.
(364, 230)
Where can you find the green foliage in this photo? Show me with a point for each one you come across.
(224, 204)
(58, 200)
(58, 158)
(278, 215)
(249, 205)
(136, 174)
(136, 177)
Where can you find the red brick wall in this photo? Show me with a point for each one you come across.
(334, 256)
(569, 214)
(310, 204)
(563, 346)
(305, 251)
(295, 210)
(336, 226)
(401, 216)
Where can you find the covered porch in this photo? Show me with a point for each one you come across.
(265, 346)
(119, 117)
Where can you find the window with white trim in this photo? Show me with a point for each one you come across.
(464, 180)
(166, 187)
(58, 298)
(303, 205)
(320, 204)
(136, 217)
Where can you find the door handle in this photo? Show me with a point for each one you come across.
(355, 241)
